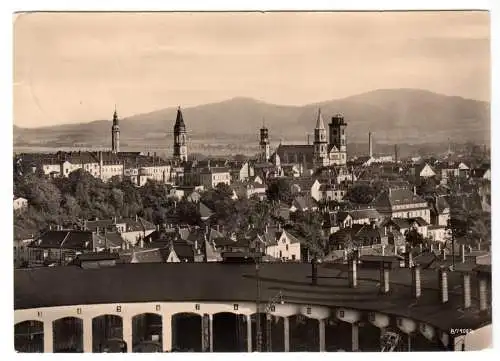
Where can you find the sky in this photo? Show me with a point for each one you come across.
(74, 67)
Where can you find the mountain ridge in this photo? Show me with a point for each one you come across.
(393, 115)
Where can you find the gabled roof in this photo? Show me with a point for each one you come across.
(357, 214)
(205, 212)
(147, 256)
(66, 240)
(397, 197)
(183, 251)
(109, 240)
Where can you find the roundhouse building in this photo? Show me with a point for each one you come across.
(217, 307)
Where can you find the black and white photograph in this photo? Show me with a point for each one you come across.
(251, 181)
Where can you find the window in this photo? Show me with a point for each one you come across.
(308, 311)
(197, 307)
(78, 311)
(293, 257)
(235, 306)
(287, 247)
(157, 307)
(281, 254)
(341, 314)
(118, 308)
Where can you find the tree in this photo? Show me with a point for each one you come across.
(279, 190)
(414, 238)
(362, 194)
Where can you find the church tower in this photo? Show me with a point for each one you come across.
(115, 134)
(180, 140)
(320, 142)
(338, 140)
(264, 143)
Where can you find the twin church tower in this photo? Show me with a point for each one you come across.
(322, 153)
(180, 136)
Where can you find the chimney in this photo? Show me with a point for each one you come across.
(136, 218)
(443, 254)
(390, 191)
(432, 247)
(314, 272)
(466, 290)
(462, 253)
(483, 294)
(370, 145)
(408, 259)
(353, 276)
(443, 284)
(384, 279)
(141, 243)
(383, 249)
(385, 231)
(414, 190)
(421, 247)
(416, 288)
(439, 246)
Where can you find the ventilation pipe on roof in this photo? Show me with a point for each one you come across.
(443, 284)
(416, 282)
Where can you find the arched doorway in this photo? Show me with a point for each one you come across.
(68, 335)
(304, 334)
(107, 334)
(272, 332)
(147, 333)
(28, 336)
(186, 332)
(338, 335)
(229, 332)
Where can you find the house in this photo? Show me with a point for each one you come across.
(181, 252)
(249, 189)
(402, 203)
(421, 172)
(309, 186)
(212, 176)
(20, 203)
(130, 229)
(284, 246)
(364, 216)
(61, 246)
(440, 211)
(483, 173)
(22, 239)
(332, 192)
(447, 170)
(358, 235)
(437, 233)
(240, 171)
(403, 225)
(303, 203)
(205, 212)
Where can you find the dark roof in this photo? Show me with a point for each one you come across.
(100, 256)
(364, 213)
(205, 212)
(183, 250)
(179, 121)
(303, 151)
(216, 282)
(67, 239)
(397, 197)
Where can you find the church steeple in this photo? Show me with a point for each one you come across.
(115, 133)
(320, 142)
(180, 140)
(264, 142)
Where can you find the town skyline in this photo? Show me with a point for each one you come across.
(89, 62)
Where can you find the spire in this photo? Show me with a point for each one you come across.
(264, 123)
(115, 117)
(179, 121)
(319, 122)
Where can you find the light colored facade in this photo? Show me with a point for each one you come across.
(20, 203)
(210, 178)
(286, 248)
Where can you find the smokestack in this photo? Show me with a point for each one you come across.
(462, 253)
(443, 284)
(370, 145)
(353, 273)
(408, 259)
(466, 290)
(483, 294)
(416, 289)
(314, 272)
(384, 279)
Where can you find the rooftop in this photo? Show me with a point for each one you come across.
(149, 282)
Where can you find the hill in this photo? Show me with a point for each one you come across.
(393, 115)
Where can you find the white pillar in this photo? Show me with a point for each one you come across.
(321, 335)
(211, 333)
(48, 337)
(355, 337)
(166, 329)
(127, 332)
(286, 330)
(87, 334)
(249, 332)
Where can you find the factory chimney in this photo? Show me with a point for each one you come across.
(370, 145)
